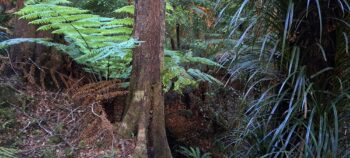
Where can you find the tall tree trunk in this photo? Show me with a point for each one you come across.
(145, 113)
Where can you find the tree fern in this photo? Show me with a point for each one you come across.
(92, 35)
(102, 44)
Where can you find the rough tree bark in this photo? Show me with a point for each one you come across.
(145, 113)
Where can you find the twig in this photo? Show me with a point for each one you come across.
(25, 152)
(11, 64)
(92, 110)
(25, 127)
(46, 130)
(75, 84)
(36, 65)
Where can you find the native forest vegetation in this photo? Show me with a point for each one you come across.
(174, 78)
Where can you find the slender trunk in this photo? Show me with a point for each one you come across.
(145, 113)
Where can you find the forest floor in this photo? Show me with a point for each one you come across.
(50, 124)
(43, 123)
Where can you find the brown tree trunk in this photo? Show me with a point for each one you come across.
(145, 113)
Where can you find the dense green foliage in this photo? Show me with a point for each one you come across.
(104, 44)
(292, 56)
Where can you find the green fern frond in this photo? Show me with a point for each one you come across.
(42, 41)
(177, 77)
(125, 21)
(200, 60)
(82, 27)
(199, 75)
(104, 44)
(30, 2)
(130, 9)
